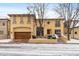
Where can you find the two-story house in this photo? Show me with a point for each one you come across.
(21, 27)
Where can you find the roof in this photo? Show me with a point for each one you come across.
(21, 14)
(3, 19)
(54, 19)
(3, 16)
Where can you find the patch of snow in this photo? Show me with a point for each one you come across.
(71, 25)
(5, 40)
(3, 16)
(63, 35)
(73, 41)
(77, 24)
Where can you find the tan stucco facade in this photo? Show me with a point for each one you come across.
(32, 27)
(51, 26)
(21, 27)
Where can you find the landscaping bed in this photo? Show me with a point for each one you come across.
(62, 40)
(43, 41)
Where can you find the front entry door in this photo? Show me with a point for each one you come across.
(40, 31)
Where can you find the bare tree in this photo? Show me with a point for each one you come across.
(70, 12)
(39, 10)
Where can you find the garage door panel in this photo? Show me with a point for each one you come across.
(22, 35)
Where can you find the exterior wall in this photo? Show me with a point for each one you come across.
(18, 27)
(53, 27)
(76, 36)
(49, 26)
(31, 27)
(3, 29)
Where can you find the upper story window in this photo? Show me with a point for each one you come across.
(21, 20)
(57, 23)
(48, 22)
(29, 19)
(75, 32)
(3, 24)
(14, 19)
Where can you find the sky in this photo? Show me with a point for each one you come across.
(6, 8)
(21, 8)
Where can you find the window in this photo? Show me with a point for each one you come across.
(21, 20)
(29, 19)
(48, 22)
(75, 32)
(48, 31)
(3, 24)
(57, 23)
(14, 19)
(1, 32)
(69, 32)
(58, 31)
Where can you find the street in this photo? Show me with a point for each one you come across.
(39, 49)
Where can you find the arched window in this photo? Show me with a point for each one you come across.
(14, 19)
(21, 19)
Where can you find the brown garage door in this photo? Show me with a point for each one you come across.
(22, 36)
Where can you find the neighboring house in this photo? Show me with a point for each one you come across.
(75, 32)
(51, 26)
(73, 24)
(21, 27)
(3, 28)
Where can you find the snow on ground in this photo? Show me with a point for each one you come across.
(9, 40)
(5, 40)
(73, 41)
(39, 49)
